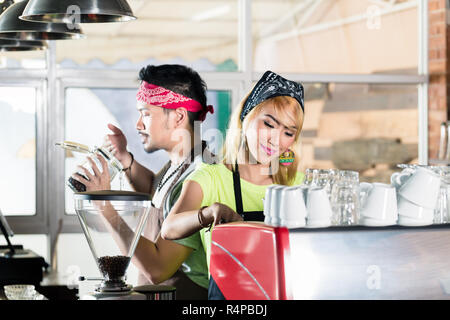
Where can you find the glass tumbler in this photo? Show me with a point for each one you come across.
(322, 178)
(345, 198)
(442, 209)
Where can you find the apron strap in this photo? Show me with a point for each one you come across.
(253, 216)
(237, 191)
(247, 215)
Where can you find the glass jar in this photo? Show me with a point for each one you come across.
(114, 165)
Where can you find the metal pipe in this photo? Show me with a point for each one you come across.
(422, 12)
(443, 148)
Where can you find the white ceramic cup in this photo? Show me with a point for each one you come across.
(410, 210)
(292, 207)
(275, 203)
(408, 222)
(318, 207)
(378, 201)
(420, 187)
(369, 222)
(399, 178)
(267, 203)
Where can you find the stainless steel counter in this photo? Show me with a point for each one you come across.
(370, 262)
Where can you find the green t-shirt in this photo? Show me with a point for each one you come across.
(216, 181)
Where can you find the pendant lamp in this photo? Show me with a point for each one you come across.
(4, 4)
(77, 11)
(21, 45)
(11, 27)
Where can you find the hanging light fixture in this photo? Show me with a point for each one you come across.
(11, 27)
(21, 45)
(4, 4)
(78, 11)
(18, 45)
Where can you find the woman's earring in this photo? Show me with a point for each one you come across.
(287, 157)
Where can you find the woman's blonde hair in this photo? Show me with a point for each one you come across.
(287, 108)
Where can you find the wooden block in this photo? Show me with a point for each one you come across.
(361, 154)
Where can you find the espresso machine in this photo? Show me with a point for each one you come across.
(112, 222)
(342, 262)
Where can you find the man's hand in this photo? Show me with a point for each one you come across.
(98, 180)
(117, 145)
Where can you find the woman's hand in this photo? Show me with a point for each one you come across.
(98, 180)
(220, 213)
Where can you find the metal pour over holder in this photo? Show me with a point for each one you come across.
(112, 222)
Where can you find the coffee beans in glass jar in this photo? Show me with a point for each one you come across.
(114, 165)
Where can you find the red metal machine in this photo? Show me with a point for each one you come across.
(248, 261)
(254, 261)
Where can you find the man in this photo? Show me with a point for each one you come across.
(170, 99)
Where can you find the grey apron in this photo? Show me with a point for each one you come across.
(186, 288)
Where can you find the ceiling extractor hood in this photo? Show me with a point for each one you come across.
(11, 27)
(78, 11)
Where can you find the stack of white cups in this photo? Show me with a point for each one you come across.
(318, 208)
(418, 191)
(284, 206)
(378, 204)
(297, 206)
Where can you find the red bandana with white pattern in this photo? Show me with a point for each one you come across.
(158, 96)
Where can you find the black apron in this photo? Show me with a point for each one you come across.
(214, 292)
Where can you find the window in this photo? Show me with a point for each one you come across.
(18, 145)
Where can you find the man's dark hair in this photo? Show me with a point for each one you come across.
(180, 79)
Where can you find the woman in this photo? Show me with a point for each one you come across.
(263, 129)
